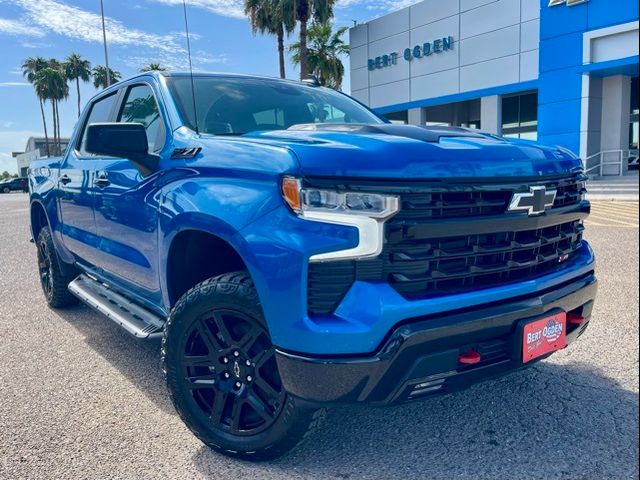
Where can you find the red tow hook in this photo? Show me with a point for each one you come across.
(575, 319)
(469, 358)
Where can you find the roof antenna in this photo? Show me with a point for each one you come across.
(193, 90)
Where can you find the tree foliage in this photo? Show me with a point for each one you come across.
(324, 51)
(99, 74)
(153, 67)
(77, 68)
(267, 17)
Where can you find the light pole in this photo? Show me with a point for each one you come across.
(104, 39)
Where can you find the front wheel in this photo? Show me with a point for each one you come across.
(6, 190)
(222, 374)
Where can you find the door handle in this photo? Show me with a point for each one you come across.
(64, 179)
(101, 181)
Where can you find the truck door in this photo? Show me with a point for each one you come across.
(75, 187)
(126, 214)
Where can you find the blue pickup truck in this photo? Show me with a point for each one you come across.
(294, 250)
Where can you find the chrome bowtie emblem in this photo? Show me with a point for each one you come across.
(236, 369)
(535, 202)
(571, 3)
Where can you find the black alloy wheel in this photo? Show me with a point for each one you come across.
(222, 372)
(54, 274)
(229, 369)
(44, 268)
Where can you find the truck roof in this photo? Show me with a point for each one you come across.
(207, 74)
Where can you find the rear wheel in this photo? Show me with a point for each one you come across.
(6, 190)
(222, 373)
(55, 276)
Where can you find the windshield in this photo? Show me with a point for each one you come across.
(235, 105)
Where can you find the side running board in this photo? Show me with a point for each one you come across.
(136, 320)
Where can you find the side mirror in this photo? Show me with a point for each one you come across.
(122, 140)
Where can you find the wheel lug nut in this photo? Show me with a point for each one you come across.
(238, 384)
(225, 375)
(249, 378)
(236, 353)
(248, 363)
(225, 360)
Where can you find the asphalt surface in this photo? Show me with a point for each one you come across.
(80, 398)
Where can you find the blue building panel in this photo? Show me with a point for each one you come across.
(562, 20)
(560, 85)
(561, 52)
(567, 140)
(610, 12)
(559, 118)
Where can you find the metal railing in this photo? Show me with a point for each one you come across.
(620, 156)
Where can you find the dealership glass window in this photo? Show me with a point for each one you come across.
(520, 116)
(459, 114)
(401, 117)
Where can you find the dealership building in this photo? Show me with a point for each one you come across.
(563, 72)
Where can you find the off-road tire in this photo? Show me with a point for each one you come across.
(231, 292)
(55, 275)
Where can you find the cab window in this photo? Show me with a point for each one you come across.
(140, 107)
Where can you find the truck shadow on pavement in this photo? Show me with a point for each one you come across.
(548, 421)
(138, 360)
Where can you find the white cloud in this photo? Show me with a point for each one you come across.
(235, 8)
(19, 28)
(14, 84)
(70, 21)
(35, 45)
(74, 22)
(171, 62)
(383, 6)
(226, 8)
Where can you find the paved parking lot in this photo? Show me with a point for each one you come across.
(80, 398)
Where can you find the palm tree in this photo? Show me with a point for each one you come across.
(320, 11)
(30, 68)
(59, 90)
(267, 17)
(324, 51)
(76, 68)
(52, 82)
(99, 73)
(153, 67)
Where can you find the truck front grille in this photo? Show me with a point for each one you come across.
(419, 269)
(453, 242)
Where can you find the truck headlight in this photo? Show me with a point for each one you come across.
(365, 211)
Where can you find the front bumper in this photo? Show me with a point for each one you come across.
(419, 358)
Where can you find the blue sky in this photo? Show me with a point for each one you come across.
(138, 32)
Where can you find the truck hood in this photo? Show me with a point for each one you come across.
(408, 152)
